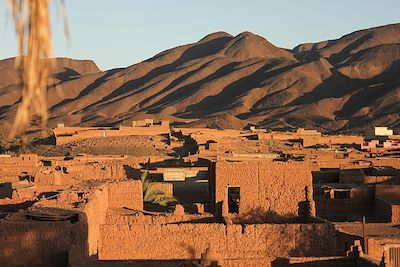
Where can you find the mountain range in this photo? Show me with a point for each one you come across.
(224, 81)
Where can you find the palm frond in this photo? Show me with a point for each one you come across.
(151, 195)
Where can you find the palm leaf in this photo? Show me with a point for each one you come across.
(151, 195)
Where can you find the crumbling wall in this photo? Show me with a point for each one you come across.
(12, 173)
(103, 172)
(376, 246)
(23, 160)
(125, 194)
(94, 214)
(67, 175)
(65, 135)
(356, 200)
(276, 188)
(188, 241)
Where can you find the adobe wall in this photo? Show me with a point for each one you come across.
(376, 246)
(383, 209)
(12, 173)
(360, 200)
(125, 194)
(104, 172)
(272, 187)
(391, 162)
(122, 131)
(188, 241)
(390, 193)
(331, 140)
(395, 210)
(351, 176)
(331, 176)
(83, 172)
(36, 243)
(388, 211)
(322, 262)
(6, 190)
(94, 214)
(23, 160)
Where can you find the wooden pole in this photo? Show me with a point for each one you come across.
(365, 236)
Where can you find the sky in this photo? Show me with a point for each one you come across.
(120, 33)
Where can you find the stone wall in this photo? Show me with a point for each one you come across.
(189, 240)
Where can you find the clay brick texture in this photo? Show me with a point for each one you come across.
(189, 240)
(276, 188)
(125, 194)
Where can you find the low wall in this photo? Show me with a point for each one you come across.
(74, 174)
(189, 240)
(325, 176)
(123, 131)
(321, 262)
(332, 140)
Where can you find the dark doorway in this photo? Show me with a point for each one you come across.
(233, 199)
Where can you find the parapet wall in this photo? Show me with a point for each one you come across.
(188, 241)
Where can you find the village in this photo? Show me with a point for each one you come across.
(215, 198)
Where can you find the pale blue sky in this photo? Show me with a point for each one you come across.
(120, 33)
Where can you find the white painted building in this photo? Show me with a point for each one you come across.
(383, 131)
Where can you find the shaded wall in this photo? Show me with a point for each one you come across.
(33, 243)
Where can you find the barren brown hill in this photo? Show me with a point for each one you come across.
(226, 81)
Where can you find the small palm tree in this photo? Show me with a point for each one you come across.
(152, 195)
